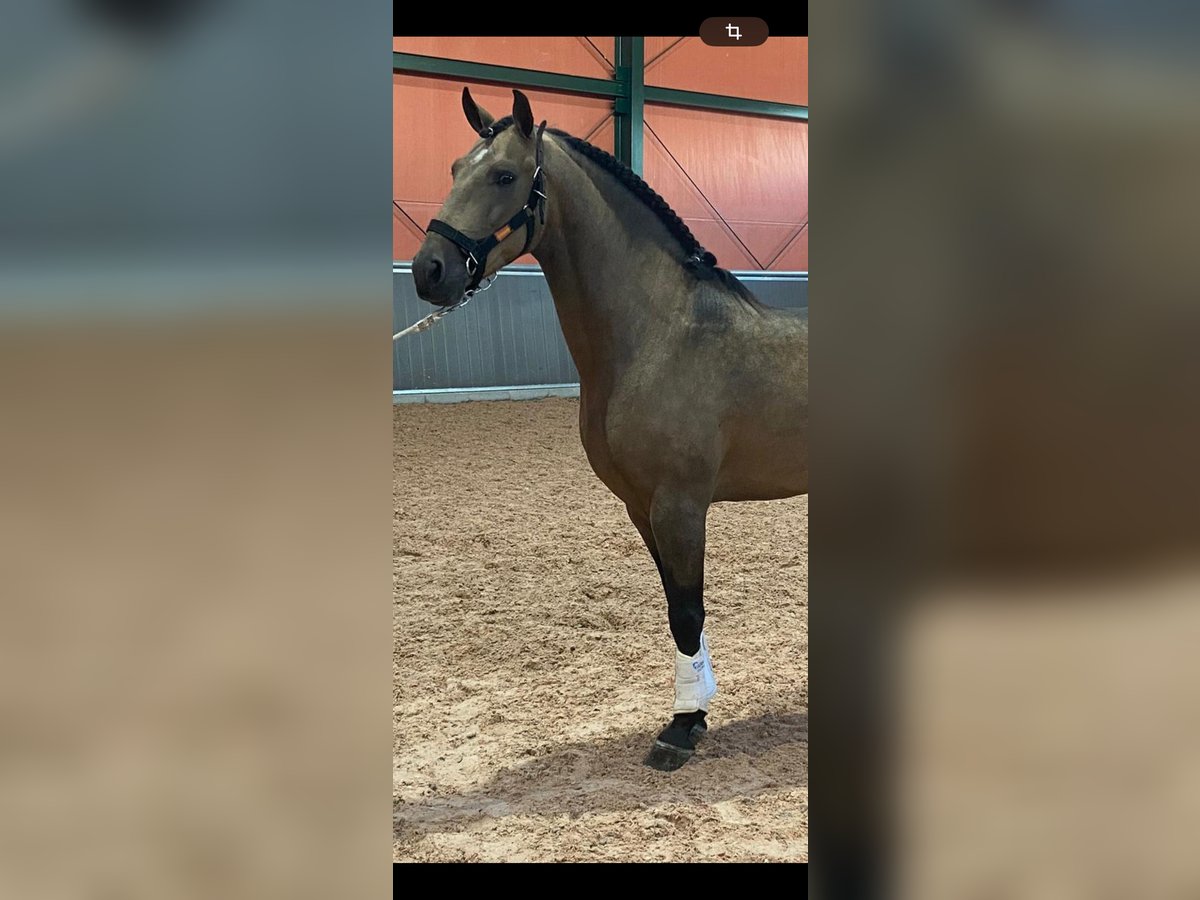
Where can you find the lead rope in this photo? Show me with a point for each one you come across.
(433, 318)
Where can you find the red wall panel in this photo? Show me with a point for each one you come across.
(740, 182)
(795, 257)
(592, 57)
(429, 132)
(776, 70)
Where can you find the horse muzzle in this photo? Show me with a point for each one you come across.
(440, 272)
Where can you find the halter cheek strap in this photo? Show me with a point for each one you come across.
(476, 251)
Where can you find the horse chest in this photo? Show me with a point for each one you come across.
(603, 457)
(625, 443)
(593, 435)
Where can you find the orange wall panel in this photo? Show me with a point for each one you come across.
(776, 70)
(429, 132)
(740, 182)
(592, 57)
(795, 256)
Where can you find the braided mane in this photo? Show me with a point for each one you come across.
(699, 262)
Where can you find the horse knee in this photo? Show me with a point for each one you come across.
(678, 526)
(685, 614)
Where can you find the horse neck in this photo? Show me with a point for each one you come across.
(611, 265)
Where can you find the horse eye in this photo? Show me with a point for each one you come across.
(505, 178)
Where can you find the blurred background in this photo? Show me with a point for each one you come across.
(1006, 503)
(194, 459)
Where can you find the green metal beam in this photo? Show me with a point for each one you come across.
(630, 106)
(507, 75)
(673, 97)
(629, 91)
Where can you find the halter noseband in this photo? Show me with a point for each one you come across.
(476, 251)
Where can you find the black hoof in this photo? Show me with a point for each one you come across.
(667, 758)
(677, 743)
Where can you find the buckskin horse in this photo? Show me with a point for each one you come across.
(691, 391)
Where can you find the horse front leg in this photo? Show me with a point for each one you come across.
(677, 530)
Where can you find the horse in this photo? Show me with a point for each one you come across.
(691, 391)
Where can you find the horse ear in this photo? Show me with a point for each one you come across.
(522, 114)
(479, 117)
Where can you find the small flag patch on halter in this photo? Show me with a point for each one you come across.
(503, 233)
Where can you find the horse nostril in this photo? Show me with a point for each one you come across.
(435, 271)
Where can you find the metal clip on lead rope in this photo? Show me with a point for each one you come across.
(432, 318)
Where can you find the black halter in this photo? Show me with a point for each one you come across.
(477, 252)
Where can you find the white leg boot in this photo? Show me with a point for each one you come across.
(695, 683)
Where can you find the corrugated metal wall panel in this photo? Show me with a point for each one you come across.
(510, 334)
(507, 336)
(591, 57)
(429, 132)
(776, 70)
